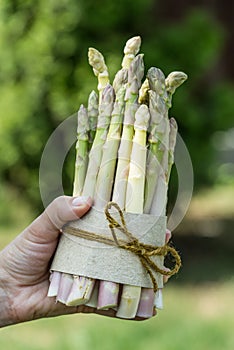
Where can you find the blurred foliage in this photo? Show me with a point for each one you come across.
(44, 75)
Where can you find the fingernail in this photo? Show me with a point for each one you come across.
(78, 201)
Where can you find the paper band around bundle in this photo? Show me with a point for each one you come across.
(106, 261)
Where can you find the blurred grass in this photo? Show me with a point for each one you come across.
(194, 318)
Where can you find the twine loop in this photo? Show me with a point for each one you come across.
(144, 251)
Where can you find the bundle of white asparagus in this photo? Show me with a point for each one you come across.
(121, 119)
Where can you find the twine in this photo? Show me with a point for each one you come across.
(142, 250)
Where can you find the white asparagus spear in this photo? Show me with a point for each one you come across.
(158, 136)
(83, 286)
(93, 301)
(131, 105)
(98, 137)
(106, 295)
(160, 202)
(135, 200)
(65, 286)
(173, 81)
(96, 60)
(54, 283)
(146, 303)
(81, 291)
(108, 291)
(156, 139)
(82, 147)
(160, 100)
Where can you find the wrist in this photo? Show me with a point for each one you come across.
(6, 312)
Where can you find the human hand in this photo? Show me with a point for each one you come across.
(25, 263)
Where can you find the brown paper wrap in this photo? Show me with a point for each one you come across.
(97, 260)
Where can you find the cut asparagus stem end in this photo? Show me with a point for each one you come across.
(81, 291)
(54, 283)
(146, 304)
(65, 286)
(108, 295)
(129, 302)
(93, 301)
(158, 301)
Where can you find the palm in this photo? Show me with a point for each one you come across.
(25, 263)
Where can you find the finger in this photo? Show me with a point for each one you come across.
(165, 277)
(167, 239)
(168, 235)
(62, 210)
(61, 309)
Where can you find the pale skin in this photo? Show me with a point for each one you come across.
(25, 262)
(24, 266)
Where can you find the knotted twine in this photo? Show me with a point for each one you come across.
(142, 250)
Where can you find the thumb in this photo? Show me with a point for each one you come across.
(57, 214)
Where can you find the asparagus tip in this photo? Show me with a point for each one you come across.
(174, 80)
(96, 60)
(156, 80)
(132, 46)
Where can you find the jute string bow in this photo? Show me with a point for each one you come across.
(144, 251)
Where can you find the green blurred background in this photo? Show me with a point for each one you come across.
(45, 76)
